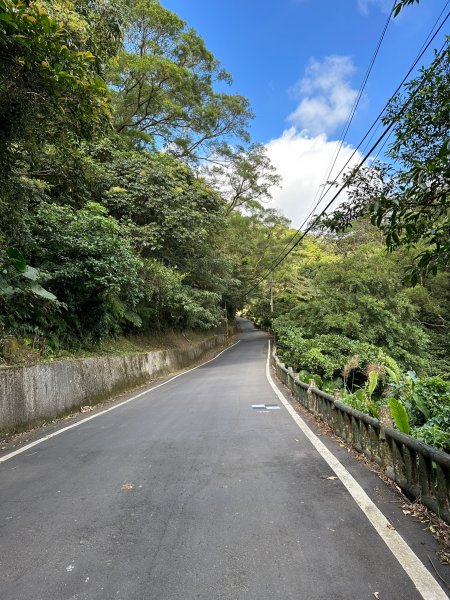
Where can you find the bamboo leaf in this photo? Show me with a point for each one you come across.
(399, 415)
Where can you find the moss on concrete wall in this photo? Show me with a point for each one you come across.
(29, 394)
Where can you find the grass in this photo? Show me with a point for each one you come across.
(15, 352)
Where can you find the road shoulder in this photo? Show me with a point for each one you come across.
(386, 496)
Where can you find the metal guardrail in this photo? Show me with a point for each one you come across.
(422, 471)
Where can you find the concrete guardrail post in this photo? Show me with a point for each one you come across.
(312, 398)
(291, 379)
(334, 413)
(385, 419)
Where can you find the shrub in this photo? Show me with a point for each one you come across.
(327, 355)
(432, 434)
(91, 268)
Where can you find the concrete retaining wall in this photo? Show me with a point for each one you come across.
(49, 390)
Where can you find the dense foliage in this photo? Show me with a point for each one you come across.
(408, 198)
(364, 304)
(163, 84)
(342, 315)
(103, 230)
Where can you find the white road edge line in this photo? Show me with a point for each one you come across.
(107, 410)
(425, 583)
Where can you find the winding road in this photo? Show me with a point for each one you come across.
(187, 492)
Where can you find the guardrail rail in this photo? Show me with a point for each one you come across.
(422, 471)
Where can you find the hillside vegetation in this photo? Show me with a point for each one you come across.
(110, 224)
(363, 303)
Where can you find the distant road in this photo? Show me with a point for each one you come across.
(189, 493)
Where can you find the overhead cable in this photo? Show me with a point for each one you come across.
(284, 253)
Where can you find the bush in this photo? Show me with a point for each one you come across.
(432, 434)
(91, 268)
(169, 302)
(434, 394)
(327, 355)
(425, 403)
(359, 401)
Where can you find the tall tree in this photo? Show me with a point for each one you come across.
(243, 176)
(50, 81)
(163, 85)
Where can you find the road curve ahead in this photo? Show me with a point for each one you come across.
(189, 493)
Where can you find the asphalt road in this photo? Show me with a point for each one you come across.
(190, 493)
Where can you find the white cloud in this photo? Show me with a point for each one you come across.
(304, 153)
(303, 162)
(364, 6)
(326, 96)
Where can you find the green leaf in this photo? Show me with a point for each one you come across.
(43, 293)
(413, 376)
(373, 410)
(133, 318)
(422, 407)
(395, 377)
(373, 381)
(16, 258)
(8, 19)
(31, 273)
(361, 395)
(399, 415)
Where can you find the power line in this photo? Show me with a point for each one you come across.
(422, 51)
(334, 158)
(285, 253)
(386, 141)
(311, 225)
(282, 256)
(422, 47)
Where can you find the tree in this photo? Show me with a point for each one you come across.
(348, 285)
(47, 81)
(94, 25)
(171, 214)
(400, 5)
(52, 95)
(243, 176)
(409, 198)
(251, 241)
(91, 267)
(123, 233)
(163, 85)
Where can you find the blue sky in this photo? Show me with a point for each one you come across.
(301, 63)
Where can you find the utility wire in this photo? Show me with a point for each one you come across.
(386, 141)
(422, 51)
(333, 159)
(283, 253)
(282, 256)
(343, 135)
(314, 221)
(422, 47)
